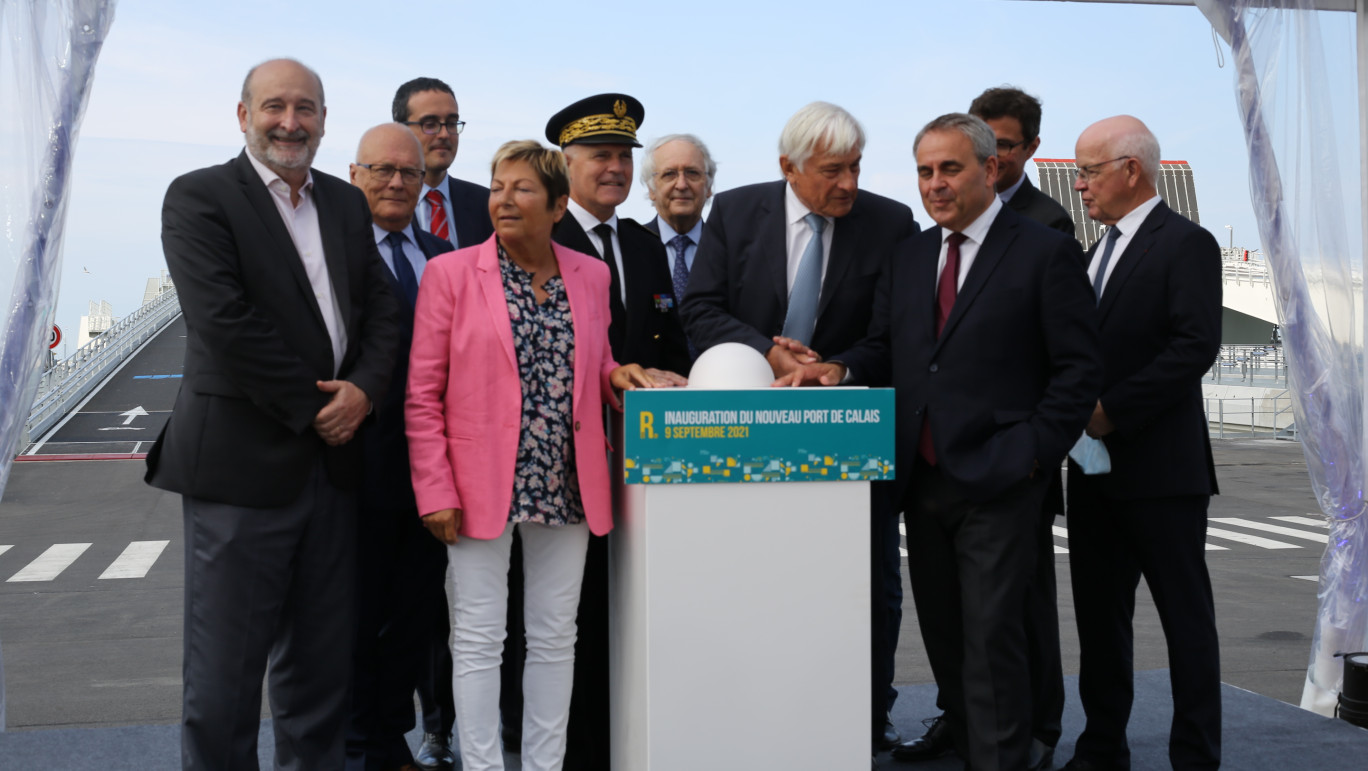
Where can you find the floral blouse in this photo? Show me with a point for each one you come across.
(545, 485)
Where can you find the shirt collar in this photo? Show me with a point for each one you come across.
(381, 234)
(589, 221)
(795, 210)
(441, 187)
(1131, 222)
(269, 177)
(978, 229)
(1006, 195)
(667, 232)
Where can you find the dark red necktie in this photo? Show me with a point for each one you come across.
(437, 224)
(946, 290)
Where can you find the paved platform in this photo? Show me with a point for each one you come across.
(1259, 733)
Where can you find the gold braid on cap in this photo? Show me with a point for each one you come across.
(597, 124)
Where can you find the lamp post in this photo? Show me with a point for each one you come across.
(1232, 236)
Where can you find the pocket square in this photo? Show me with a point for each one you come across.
(1091, 455)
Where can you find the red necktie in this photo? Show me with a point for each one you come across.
(437, 225)
(946, 289)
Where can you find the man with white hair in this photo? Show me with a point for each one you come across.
(800, 258)
(1157, 277)
(678, 173)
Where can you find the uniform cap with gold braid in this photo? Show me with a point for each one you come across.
(605, 119)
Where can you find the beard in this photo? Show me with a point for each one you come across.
(277, 157)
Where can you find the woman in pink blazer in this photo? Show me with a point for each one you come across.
(508, 375)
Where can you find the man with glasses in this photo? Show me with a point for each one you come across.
(451, 209)
(678, 172)
(1014, 117)
(1157, 279)
(458, 212)
(398, 559)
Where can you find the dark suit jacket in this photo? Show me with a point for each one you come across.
(1160, 322)
(653, 336)
(386, 482)
(738, 288)
(470, 212)
(241, 432)
(1029, 202)
(1012, 379)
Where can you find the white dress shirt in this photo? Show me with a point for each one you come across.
(973, 239)
(424, 210)
(589, 222)
(301, 221)
(667, 235)
(1128, 225)
(798, 233)
(415, 255)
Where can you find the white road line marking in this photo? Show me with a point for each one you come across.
(1307, 578)
(4, 547)
(136, 560)
(1059, 531)
(51, 563)
(902, 552)
(1279, 529)
(1214, 547)
(1308, 521)
(1252, 540)
(902, 529)
(1060, 549)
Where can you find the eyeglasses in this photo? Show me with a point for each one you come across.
(1090, 172)
(433, 125)
(385, 172)
(669, 176)
(1004, 146)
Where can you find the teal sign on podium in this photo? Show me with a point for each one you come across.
(681, 436)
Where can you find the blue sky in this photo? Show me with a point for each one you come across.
(732, 72)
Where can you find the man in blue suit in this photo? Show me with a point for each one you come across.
(450, 208)
(396, 557)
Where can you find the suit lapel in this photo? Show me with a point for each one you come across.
(261, 201)
(1000, 236)
(496, 301)
(568, 233)
(1128, 260)
(334, 249)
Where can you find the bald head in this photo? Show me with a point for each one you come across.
(389, 170)
(1118, 159)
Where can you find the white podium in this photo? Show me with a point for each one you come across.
(740, 607)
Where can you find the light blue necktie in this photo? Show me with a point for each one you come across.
(1112, 236)
(807, 286)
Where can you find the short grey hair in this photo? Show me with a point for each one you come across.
(648, 166)
(247, 81)
(980, 135)
(1144, 148)
(820, 123)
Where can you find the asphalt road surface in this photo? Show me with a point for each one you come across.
(91, 564)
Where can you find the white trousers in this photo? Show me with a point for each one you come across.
(553, 559)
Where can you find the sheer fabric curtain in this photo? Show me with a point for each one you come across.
(48, 50)
(1304, 182)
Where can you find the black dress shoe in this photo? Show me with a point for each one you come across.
(435, 753)
(935, 743)
(891, 737)
(1041, 757)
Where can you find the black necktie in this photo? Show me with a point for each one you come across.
(618, 321)
(1100, 279)
(403, 271)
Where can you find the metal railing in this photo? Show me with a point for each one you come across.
(1257, 365)
(70, 380)
(1240, 272)
(1268, 416)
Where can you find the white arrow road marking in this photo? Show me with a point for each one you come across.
(136, 412)
(1279, 529)
(51, 563)
(136, 560)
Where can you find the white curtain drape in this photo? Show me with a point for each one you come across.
(1303, 179)
(48, 50)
